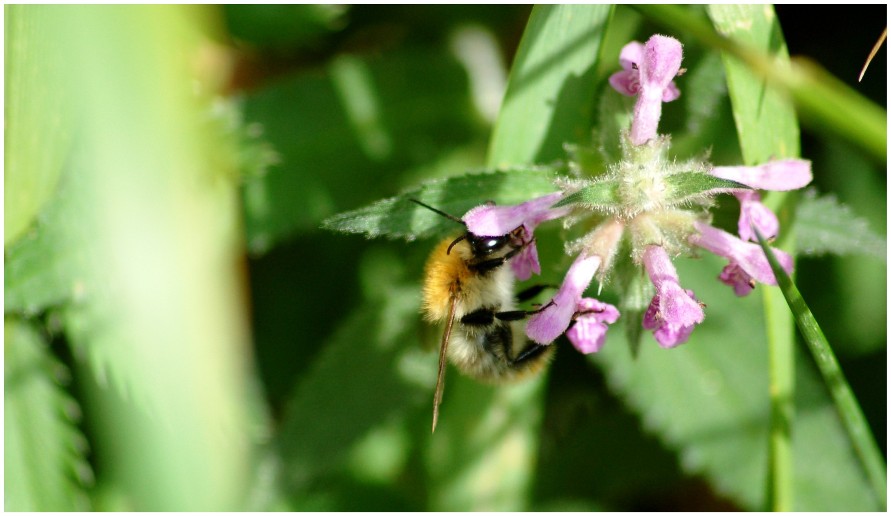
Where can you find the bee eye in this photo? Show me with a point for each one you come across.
(487, 245)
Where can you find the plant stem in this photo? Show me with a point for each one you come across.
(781, 365)
(845, 403)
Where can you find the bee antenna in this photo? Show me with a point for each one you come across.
(460, 238)
(444, 214)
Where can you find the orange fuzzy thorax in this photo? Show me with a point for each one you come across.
(445, 275)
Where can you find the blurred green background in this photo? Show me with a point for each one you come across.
(182, 335)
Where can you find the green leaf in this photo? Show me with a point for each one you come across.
(708, 400)
(141, 256)
(613, 117)
(364, 376)
(50, 266)
(44, 452)
(345, 132)
(601, 195)
(552, 86)
(705, 89)
(823, 225)
(38, 116)
(765, 119)
(283, 27)
(498, 429)
(708, 120)
(398, 217)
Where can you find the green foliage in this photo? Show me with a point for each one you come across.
(846, 404)
(765, 121)
(398, 217)
(767, 129)
(178, 184)
(45, 452)
(823, 226)
(344, 132)
(601, 195)
(550, 95)
(133, 260)
(39, 111)
(283, 28)
(708, 400)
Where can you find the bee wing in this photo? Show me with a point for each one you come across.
(443, 347)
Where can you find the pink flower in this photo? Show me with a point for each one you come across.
(747, 260)
(591, 319)
(667, 333)
(658, 62)
(492, 220)
(753, 213)
(782, 175)
(673, 312)
(545, 326)
(627, 81)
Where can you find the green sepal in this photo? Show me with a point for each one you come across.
(603, 194)
(637, 292)
(690, 185)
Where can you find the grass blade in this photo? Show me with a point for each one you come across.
(848, 409)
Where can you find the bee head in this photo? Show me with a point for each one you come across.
(486, 245)
(480, 246)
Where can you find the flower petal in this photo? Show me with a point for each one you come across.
(783, 175)
(492, 220)
(667, 333)
(673, 312)
(747, 255)
(660, 63)
(626, 82)
(525, 263)
(753, 213)
(588, 334)
(631, 55)
(548, 324)
(671, 92)
(733, 275)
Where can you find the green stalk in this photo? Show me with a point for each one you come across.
(845, 403)
(781, 367)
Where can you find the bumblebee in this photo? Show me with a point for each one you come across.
(467, 287)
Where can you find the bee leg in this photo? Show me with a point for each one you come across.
(480, 317)
(531, 352)
(532, 291)
(513, 315)
(516, 315)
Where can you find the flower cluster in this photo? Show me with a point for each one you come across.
(655, 204)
